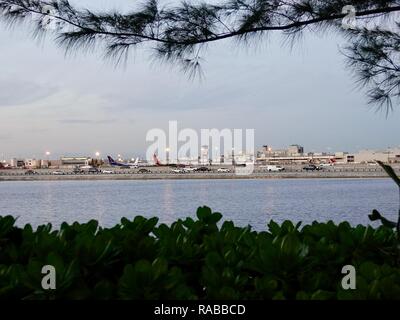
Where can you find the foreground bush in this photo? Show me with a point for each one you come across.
(197, 259)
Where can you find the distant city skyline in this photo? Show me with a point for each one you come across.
(79, 105)
(48, 155)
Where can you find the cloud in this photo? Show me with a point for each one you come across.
(86, 121)
(22, 92)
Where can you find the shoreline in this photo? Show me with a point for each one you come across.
(165, 173)
(198, 176)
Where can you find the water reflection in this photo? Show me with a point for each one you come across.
(253, 202)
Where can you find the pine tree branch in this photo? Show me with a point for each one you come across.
(179, 33)
(215, 37)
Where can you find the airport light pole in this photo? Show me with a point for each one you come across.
(97, 158)
(48, 158)
(167, 152)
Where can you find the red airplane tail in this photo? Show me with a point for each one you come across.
(156, 161)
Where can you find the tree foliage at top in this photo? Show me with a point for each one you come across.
(180, 33)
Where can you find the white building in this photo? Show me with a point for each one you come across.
(390, 155)
(204, 155)
(32, 164)
(71, 162)
(17, 163)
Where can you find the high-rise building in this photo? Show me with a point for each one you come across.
(204, 154)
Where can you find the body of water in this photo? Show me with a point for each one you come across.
(252, 202)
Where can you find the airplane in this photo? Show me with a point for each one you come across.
(158, 163)
(331, 163)
(130, 165)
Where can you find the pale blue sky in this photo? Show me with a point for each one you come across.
(81, 104)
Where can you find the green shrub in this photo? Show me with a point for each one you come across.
(197, 259)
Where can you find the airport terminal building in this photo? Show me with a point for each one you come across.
(390, 155)
(72, 162)
(295, 154)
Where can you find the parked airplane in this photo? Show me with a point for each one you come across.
(331, 163)
(130, 165)
(158, 163)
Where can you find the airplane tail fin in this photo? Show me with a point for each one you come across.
(111, 160)
(156, 161)
(136, 160)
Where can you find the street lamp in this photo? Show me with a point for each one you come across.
(97, 161)
(48, 158)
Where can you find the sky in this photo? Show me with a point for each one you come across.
(81, 104)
